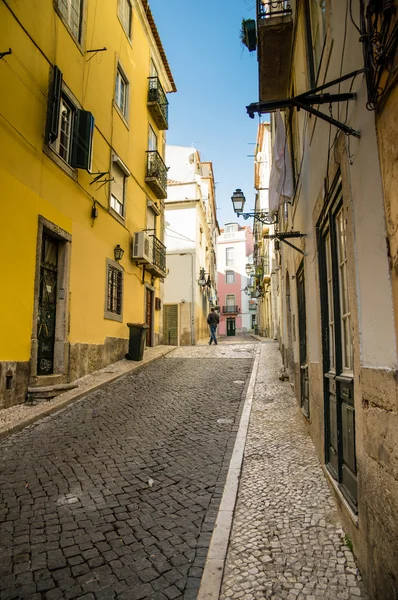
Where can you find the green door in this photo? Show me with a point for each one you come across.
(230, 326)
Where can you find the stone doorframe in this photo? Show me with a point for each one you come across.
(61, 351)
(152, 289)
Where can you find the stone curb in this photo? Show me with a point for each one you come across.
(74, 395)
(211, 582)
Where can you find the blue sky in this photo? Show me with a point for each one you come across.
(216, 78)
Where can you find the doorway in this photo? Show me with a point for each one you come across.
(46, 317)
(50, 348)
(338, 379)
(149, 316)
(231, 327)
(302, 327)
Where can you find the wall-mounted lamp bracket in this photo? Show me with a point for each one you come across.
(262, 217)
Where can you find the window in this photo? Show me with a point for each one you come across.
(63, 143)
(229, 276)
(69, 130)
(121, 93)
(316, 34)
(118, 188)
(229, 231)
(124, 13)
(230, 299)
(114, 291)
(71, 13)
(150, 219)
(229, 257)
(345, 311)
(152, 140)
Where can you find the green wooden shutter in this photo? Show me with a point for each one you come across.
(82, 140)
(170, 325)
(54, 102)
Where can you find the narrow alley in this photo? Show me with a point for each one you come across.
(118, 495)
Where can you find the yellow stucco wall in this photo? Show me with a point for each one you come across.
(32, 184)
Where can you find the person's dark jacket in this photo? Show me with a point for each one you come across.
(213, 318)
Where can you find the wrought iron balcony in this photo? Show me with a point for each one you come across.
(158, 253)
(230, 310)
(267, 10)
(156, 174)
(274, 48)
(158, 104)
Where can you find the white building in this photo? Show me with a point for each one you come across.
(190, 236)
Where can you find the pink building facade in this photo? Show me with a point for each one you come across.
(234, 251)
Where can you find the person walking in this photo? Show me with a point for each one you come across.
(213, 320)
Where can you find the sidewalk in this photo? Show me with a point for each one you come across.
(17, 417)
(286, 541)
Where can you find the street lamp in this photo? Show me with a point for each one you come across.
(202, 281)
(249, 269)
(238, 200)
(118, 252)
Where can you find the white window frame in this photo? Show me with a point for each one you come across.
(64, 9)
(233, 276)
(152, 136)
(230, 261)
(116, 204)
(122, 106)
(56, 145)
(125, 13)
(233, 296)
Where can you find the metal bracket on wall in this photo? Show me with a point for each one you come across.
(310, 98)
(282, 237)
(94, 52)
(98, 179)
(3, 54)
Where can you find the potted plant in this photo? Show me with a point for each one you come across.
(248, 35)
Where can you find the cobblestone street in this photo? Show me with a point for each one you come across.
(116, 496)
(286, 541)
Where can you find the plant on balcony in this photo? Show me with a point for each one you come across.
(248, 35)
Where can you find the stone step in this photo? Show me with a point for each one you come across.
(49, 391)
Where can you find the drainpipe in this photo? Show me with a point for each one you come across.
(191, 254)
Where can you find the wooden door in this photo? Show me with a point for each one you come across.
(302, 323)
(47, 305)
(230, 326)
(340, 451)
(149, 316)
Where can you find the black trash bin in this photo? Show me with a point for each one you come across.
(136, 340)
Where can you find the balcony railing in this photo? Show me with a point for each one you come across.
(230, 310)
(273, 9)
(156, 174)
(252, 306)
(274, 48)
(157, 103)
(158, 266)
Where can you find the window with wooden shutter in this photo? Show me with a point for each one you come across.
(82, 140)
(170, 324)
(54, 105)
(118, 189)
(124, 13)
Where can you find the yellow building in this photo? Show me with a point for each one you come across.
(83, 115)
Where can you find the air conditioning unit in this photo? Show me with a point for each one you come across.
(142, 247)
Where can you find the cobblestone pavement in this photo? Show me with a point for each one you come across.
(116, 496)
(286, 540)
